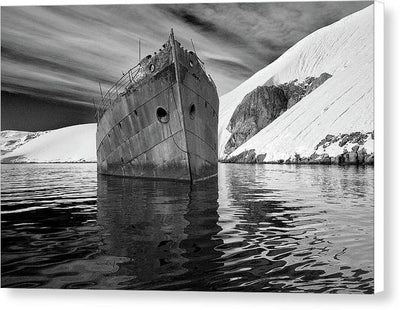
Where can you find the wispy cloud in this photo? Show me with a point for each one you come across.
(64, 52)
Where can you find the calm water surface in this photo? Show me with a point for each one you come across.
(273, 228)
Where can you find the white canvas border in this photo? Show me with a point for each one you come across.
(379, 147)
(44, 299)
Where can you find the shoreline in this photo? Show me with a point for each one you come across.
(298, 163)
(358, 155)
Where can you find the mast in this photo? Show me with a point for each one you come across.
(194, 50)
(179, 107)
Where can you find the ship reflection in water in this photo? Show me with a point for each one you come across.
(165, 228)
(269, 228)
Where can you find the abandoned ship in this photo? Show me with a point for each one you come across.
(160, 120)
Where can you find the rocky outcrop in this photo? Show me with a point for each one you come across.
(349, 150)
(263, 105)
(353, 152)
(257, 109)
(313, 84)
(293, 91)
(354, 139)
(347, 158)
(248, 156)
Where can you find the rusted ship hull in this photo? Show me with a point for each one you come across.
(164, 125)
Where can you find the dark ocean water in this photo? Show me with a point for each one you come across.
(272, 228)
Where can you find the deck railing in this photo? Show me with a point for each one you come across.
(120, 87)
(130, 78)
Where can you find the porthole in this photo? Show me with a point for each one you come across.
(191, 63)
(152, 68)
(162, 115)
(192, 111)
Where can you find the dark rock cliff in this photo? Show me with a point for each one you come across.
(294, 92)
(263, 105)
(257, 109)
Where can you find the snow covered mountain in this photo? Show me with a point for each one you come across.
(338, 113)
(69, 144)
(12, 139)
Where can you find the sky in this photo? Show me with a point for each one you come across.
(53, 58)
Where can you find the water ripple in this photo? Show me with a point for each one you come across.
(269, 228)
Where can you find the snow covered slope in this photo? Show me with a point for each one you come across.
(12, 139)
(69, 144)
(342, 105)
